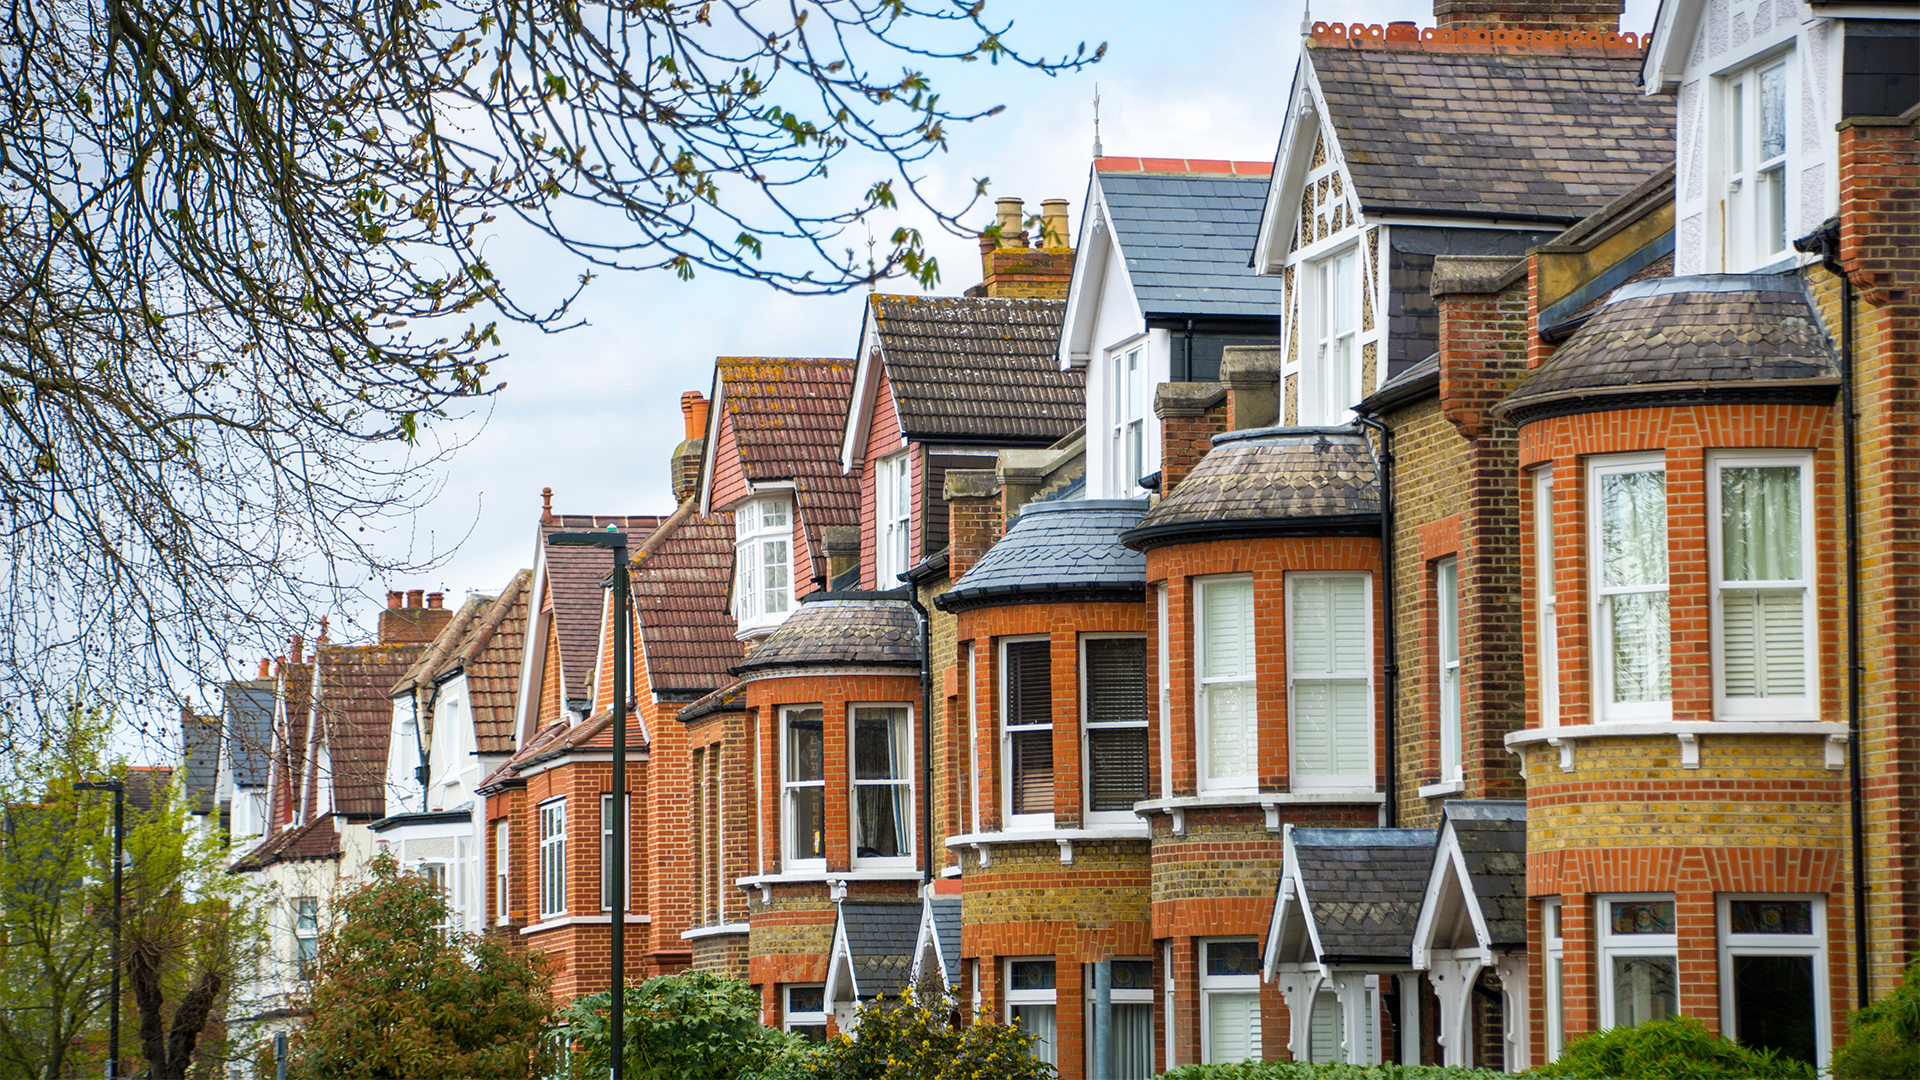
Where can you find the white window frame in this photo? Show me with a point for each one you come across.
(1088, 726)
(791, 1019)
(1602, 637)
(502, 871)
(1446, 590)
(1611, 945)
(1553, 976)
(1215, 985)
(1330, 396)
(789, 786)
(1044, 1049)
(606, 850)
(1363, 669)
(1164, 673)
(1168, 1059)
(1141, 995)
(306, 935)
(1813, 945)
(552, 816)
(973, 734)
(1203, 685)
(763, 545)
(1547, 596)
(1806, 706)
(1751, 184)
(892, 519)
(908, 839)
(1127, 372)
(1013, 820)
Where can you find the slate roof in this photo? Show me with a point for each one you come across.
(1270, 481)
(1492, 835)
(974, 368)
(880, 939)
(1058, 550)
(317, 839)
(200, 754)
(788, 416)
(249, 734)
(838, 630)
(1541, 135)
(1363, 889)
(1708, 333)
(1186, 236)
(946, 926)
(484, 640)
(355, 681)
(680, 595)
(1416, 383)
(573, 588)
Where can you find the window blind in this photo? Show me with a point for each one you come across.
(1029, 683)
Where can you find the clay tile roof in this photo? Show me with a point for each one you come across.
(1186, 238)
(249, 734)
(729, 698)
(1057, 552)
(289, 753)
(1706, 335)
(146, 785)
(358, 714)
(1492, 835)
(483, 639)
(838, 630)
(317, 839)
(1364, 888)
(788, 415)
(1271, 481)
(1541, 135)
(972, 368)
(680, 602)
(574, 575)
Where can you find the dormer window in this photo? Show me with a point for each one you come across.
(1756, 148)
(1330, 383)
(893, 503)
(1129, 414)
(762, 588)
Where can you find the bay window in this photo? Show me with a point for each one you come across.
(1026, 710)
(1330, 680)
(1330, 383)
(762, 590)
(1556, 978)
(1629, 551)
(1228, 734)
(501, 880)
(1773, 974)
(806, 1012)
(1755, 107)
(1639, 960)
(883, 785)
(1128, 398)
(553, 857)
(1229, 1001)
(893, 506)
(1130, 1041)
(1446, 590)
(1031, 1004)
(1761, 520)
(1114, 722)
(306, 935)
(803, 819)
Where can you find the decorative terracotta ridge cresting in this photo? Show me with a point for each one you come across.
(1410, 36)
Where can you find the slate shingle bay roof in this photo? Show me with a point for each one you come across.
(573, 588)
(974, 368)
(249, 734)
(788, 416)
(1492, 835)
(484, 639)
(355, 681)
(1519, 134)
(1187, 236)
(1752, 336)
(680, 605)
(880, 941)
(1364, 889)
(1057, 552)
(841, 630)
(1270, 482)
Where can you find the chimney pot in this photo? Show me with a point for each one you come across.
(266, 667)
(435, 599)
(546, 508)
(1008, 214)
(1053, 224)
(295, 645)
(322, 639)
(394, 596)
(414, 596)
(694, 405)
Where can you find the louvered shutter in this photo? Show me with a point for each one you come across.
(1327, 646)
(1229, 630)
(1227, 648)
(1763, 643)
(1323, 1039)
(1233, 1027)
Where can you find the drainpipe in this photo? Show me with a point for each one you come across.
(1188, 362)
(1383, 467)
(926, 731)
(1827, 243)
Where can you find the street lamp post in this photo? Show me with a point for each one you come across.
(622, 655)
(119, 790)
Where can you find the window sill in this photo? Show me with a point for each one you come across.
(714, 931)
(835, 879)
(1444, 787)
(1270, 801)
(983, 843)
(1688, 732)
(558, 921)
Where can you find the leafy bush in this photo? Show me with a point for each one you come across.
(1300, 1070)
(1677, 1048)
(680, 1027)
(1886, 1036)
(911, 1038)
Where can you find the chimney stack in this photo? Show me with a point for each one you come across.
(419, 622)
(266, 668)
(296, 646)
(1586, 16)
(1010, 269)
(694, 408)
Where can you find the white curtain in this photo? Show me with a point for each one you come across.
(1039, 1021)
(1633, 555)
(1132, 1042)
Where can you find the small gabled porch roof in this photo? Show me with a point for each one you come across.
(1476, 892)
(938, 940)
(1348, 898)
(872, 954)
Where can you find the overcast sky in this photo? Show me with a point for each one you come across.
(594, 413)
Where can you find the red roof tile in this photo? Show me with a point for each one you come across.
(317, 839)
(680, 604)
(1183, 165)
(484, 640)
(357, 714)
(573, 587)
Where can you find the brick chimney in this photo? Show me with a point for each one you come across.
(419, 622)
(975, 517)
(1017, 265)
(1590, 16)
(692, 450)
(1190, 415)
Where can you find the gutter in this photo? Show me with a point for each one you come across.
(1383, 467)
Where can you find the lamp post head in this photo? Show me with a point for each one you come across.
(612, 538)
(100, 785)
